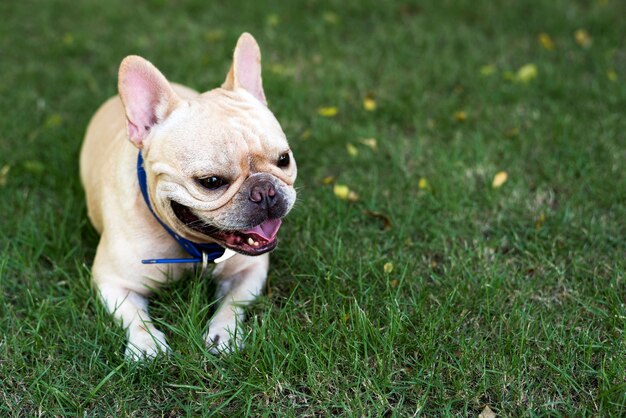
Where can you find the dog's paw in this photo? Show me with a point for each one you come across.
(223, 337)
(145, 345)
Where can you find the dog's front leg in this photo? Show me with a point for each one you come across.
(124, 285)
(131, 310)
(240, 280)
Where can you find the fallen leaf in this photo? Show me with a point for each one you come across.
(546, 41)
(53, 121)
(68, 39)
(369, 104)
(34, 166)
(611, 75)
(511, 132)
(422, 184)
(487, 70)
(352, 150)
(526, 73)
(305, 135)
(328, 180)
(499, 179)
(4, 174)
(343, 192)
(378, 215)
(330, 17)
(539, 222)
(582, 38)
(487, 413)
(280, 69)
(460, 116)
(328, 112)
(509, 75)
(214, 35)
(394, 283)
(369, 142)
(272, 19)
(388, 267)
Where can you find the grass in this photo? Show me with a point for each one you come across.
(512, 297)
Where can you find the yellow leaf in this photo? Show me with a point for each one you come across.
(328, 112)
(499, 179)
(487, 70)
(280, 69)
(582, 38)
(526, 73)
(388, 267)
(352, 150)
(53, 121)
(343, 192)
(509, 75)
(68, 39)
(34, 166)
(330, 17)
(611, 75)
(540, 220)
(305, 135)
(460, 116)
(369, 104)
(423, 183)
(4, 174)
(214, 35)
(394, 283)
(328, 180)
(511, 132)
(272, 19)
(546, 41)
(369, 142)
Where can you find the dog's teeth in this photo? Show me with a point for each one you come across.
(256, 243)
(250, 241)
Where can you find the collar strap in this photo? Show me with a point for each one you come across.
(200, 253)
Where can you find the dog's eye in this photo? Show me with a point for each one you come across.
(283, 160)
(212, 182)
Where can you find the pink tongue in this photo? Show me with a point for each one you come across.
(267, 230)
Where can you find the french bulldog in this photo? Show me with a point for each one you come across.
(218, 169)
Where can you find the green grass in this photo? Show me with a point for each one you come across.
(486, 304)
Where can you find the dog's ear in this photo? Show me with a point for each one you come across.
(245, 72)
(147, 96)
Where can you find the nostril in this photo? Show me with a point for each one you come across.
(271, 192)
(255, 194)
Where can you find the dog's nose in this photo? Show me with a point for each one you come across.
(264, 194)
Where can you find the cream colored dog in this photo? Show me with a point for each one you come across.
(218, 169)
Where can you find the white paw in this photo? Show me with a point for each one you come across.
(223, 337)
(145, 345)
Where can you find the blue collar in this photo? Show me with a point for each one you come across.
(198, 252)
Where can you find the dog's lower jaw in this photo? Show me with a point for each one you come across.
(238, 241)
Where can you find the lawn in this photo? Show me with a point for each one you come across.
(432, 290)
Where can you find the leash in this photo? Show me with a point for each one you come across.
(200, 253)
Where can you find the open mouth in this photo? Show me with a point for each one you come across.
(253, 241)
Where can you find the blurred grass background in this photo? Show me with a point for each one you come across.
(509, 297)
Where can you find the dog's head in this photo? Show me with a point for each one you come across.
(218, 164)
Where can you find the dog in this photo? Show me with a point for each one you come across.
(165, 168)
